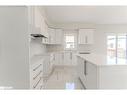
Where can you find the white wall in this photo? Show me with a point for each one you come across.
(14, 47)
(36, 47)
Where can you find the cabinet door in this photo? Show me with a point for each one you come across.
(74, 59)
(91, 76)
(51, 32)
(89, 35)
(67, 58)
(81, 37)
(86, 36)
(59, 36)
(58, 59)
(80, 64)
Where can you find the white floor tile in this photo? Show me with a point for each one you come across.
(64, 78)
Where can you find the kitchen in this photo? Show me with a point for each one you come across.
(64, 47)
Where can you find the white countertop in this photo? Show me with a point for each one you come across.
(103, 60)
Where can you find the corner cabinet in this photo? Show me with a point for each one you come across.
(86, 36)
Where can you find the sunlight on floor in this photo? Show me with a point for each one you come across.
(64, 78)
(70, 86)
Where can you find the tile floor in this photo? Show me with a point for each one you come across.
(64, 78)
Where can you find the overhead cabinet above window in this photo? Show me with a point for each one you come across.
(86, 36)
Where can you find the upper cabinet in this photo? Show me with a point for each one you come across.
(37, 22)
(86, 36)
(59, 36)
(51, 32)
(40, 24)
(55, 36)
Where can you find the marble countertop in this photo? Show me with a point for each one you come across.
(103, 60)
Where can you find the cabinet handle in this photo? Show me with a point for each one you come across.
(37, 83)
(85, 71)
(86, 39)
(71, 55)
(37, 75)
(37, 67)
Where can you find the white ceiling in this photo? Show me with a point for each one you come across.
(87, 14)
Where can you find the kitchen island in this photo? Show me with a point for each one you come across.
(102, 72)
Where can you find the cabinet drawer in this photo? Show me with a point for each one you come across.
(37, 83)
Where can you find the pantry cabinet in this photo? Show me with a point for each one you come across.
(86, 36)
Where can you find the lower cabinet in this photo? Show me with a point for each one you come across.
(58, 59)
(36, 75)
(87, 73)
(65, 58)
(91, 75)
(40, 71)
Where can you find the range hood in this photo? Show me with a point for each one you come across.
(38, 35)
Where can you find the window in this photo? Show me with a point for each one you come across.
(117, 49)
(70, 41)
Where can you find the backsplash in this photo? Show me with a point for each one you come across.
(36, 47)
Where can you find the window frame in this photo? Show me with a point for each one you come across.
(116, 44)
(75, 41)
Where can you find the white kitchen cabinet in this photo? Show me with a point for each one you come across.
(100, 73)
(86, 36)
(52, 38)
(67, 58)
(91, 76)
(58, 36)
(36, 74)
(87, 73)
(64, 58)
(81, 71)
(55, 36)
(37, 22)
(58, 59)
